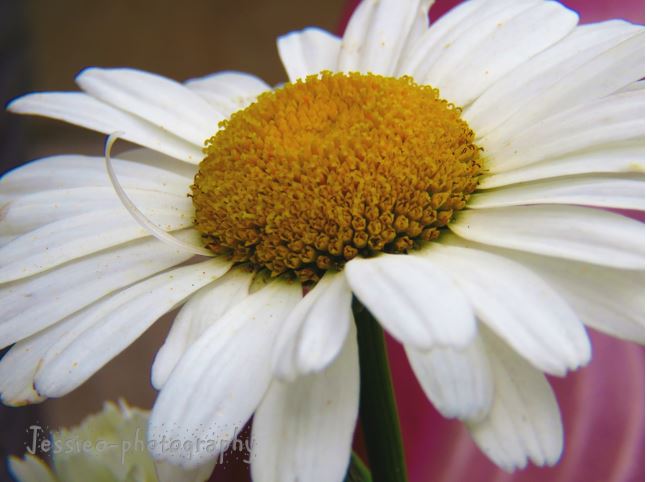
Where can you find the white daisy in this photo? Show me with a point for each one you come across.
(332, 179)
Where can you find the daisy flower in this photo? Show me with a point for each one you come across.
(444, 180)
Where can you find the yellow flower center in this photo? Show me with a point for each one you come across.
(336, 166)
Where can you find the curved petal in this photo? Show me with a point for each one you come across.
(316, 329)
(524, 421)
(314, 420)
(204, 309)
(414, 300)
(457, 381)
(308, 52)
(222, 378)
(570, 232)
(622, 192)
(519, 306)
(86, 111)
(30, 305)
(164, 103)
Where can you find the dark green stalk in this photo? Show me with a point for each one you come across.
(378, 412)
(357, 471)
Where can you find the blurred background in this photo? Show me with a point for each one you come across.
(45, 43)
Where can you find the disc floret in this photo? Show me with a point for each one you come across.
(332, 167)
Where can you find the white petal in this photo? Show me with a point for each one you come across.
(524, 421)
(457, 381)
(473, 23)
(413, 299)
(85, 111)
(75, 171)
(30, 305)
(419, 27)
(413, 56)
(308, 52)
(571, 232)
(618, 118)
(610, 300)
(590, 190)
(118, 321)
(304, 430)
(19, 365)
(594, 61)
(639, 85)
(204, 308)
(163, 102)
(378, 32)
(223, 376)
(6, 239)
(72, 238)
(32, 211)
(28, 356)
(387, 34)
(474, 62)
(616, 158)
(519, 306)
(30, 469)
(352, 44)
(228, 91)
(313, 334)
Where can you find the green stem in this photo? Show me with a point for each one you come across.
(357, 471)
(378, 411)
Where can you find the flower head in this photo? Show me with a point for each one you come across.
(337, 166)
(446, 176)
